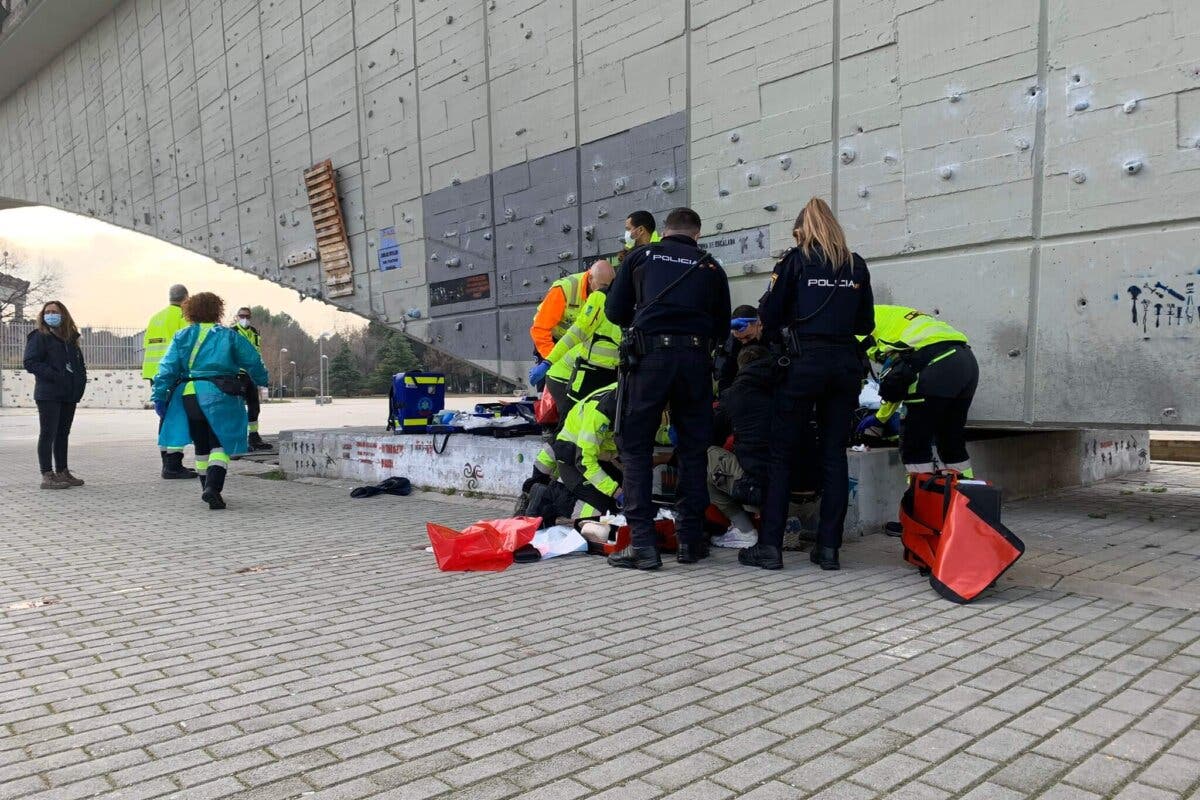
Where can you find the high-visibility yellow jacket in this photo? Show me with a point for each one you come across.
(899, 330)
(557, 311)
(592, 340)
(588, 427)
(160, 330)
(252, 335)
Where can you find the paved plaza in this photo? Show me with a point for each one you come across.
(303, 645)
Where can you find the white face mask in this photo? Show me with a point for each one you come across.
(243, 322)
(628, 240)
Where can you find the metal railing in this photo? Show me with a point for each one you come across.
(103, 348)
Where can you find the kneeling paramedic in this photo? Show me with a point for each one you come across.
(736, 480)
(672, 300)
(586, 451)
(930, 369)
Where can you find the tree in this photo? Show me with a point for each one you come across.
(395, 355)
(23, 287)
(345, 378)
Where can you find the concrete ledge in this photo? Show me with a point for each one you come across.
(1023, 464)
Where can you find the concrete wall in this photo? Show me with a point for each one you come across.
(107, 388)
(1027, 170)
(1023, 465)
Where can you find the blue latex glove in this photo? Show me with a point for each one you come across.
(538, 373)
(619, 498)
(160, 408)
(867, 423)
(673, 435)
(741, 323)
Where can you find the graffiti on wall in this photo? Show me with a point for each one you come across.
(1159, 308)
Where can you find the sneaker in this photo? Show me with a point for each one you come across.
(736, 539)
(50, 480)
(66, 477)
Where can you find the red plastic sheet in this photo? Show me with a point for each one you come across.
(486, 546)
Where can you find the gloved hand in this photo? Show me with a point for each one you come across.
(538, 372)
(673, 435)
(741, 323)
(619, 498)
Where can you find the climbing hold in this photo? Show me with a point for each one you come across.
(520, 131)
(735, 136)
(1078, 176)
(947, 172)
(723, 192)
(487, 237)
(456, 181)
(540, 219)
(597, 165)
(1082, 105)
(955, 97)
(785, 163)
(771, 207)
(619, 185)
(1130, 106)
(509, 214)
(863, 191)
(453, 262)
(433, 257)
(571, 199)
(667, 185)
(889, 158)
(566, 228)
(847, 155)
(1133, 166)
(458, 326)
(589, 233)
(564, 255)
(753, 179)
(529, 248)
(529, 34)
(1023, 144)
(720, 226)
(601, 212)
(525, 283)
(449, 234)
(449, 20)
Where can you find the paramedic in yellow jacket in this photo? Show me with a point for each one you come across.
(929, 368)
(586, 450)
(160, 330)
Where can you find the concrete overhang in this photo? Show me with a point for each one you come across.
(40, 33)
(6, 203)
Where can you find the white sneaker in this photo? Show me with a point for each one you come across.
(736, 539)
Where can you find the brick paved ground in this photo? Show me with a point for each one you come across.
(302, 644)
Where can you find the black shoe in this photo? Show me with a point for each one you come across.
(761, 555)
(825, 558)
(214, 482)
(893, 529)
(636, 558)
(257, 443)
(690, 553)
(173, 468)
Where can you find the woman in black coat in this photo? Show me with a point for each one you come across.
(52, 354)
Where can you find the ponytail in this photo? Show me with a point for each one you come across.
(817, 227)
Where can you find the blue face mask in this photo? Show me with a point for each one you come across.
(53, 320)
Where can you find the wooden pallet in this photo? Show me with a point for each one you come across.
(333, 247)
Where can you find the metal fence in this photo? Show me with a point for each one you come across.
(103, 348)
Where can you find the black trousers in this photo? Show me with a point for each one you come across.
(203, 437)
(578, 485)
(250, 393)
(938, 413)
(827, 378)
(54, 421)
(682, 378)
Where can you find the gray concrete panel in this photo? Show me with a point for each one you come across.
(471, 336)
(514, 322)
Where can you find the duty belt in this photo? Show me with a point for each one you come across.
(674, 341)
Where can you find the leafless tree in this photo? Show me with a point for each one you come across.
(24, 286)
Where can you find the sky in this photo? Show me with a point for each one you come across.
(112, 277)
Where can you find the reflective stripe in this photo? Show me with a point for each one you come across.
(218, 456)
(574, 290)
(417, 421)
(201, 464)
(411, 381)
(205, 327)
(254, 427)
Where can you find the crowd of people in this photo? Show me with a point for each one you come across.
(204, 380)
(758, 402)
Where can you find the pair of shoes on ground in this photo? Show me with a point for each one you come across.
(60, 480)
(647, 558)
(768, 557)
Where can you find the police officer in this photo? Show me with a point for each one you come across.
(929, 367)
(819, 299)
(249, 390)
(672, 299)
(160, 330)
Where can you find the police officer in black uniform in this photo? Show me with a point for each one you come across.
(673, 301)
(818, 301)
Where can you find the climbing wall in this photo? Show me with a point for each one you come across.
(1025, 170)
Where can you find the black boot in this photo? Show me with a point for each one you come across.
(173, 468)
(256, 442)
(213, 483)
(636, 558)
(691, 552)
(761, 555)
(825, 558)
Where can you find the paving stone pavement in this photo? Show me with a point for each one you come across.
(302, 644)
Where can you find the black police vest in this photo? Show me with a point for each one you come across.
(824, 302)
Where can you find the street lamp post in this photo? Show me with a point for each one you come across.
(295, 382)
(279, 374)
(322, 397)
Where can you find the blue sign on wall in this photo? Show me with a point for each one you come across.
(389, 251)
